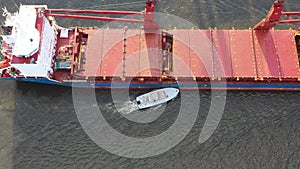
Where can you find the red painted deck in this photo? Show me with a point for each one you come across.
(197, 53)
(254, 56)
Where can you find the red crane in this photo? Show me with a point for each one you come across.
(148, 15)
(274, 17)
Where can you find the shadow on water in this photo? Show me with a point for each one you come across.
(7, 90)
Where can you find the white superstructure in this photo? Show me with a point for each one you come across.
(24, 40)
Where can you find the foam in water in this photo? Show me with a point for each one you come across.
(126, 107)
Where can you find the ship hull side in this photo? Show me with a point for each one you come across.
(214, 85)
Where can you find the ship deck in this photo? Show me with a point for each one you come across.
(196, 54)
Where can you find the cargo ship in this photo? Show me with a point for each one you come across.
(36, 49)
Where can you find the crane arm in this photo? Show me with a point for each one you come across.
(148, 15)
(272, 18)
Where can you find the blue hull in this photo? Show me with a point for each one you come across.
(219, 86)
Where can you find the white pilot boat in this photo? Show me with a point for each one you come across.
(156, 97)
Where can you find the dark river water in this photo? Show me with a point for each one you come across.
(39, 127)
